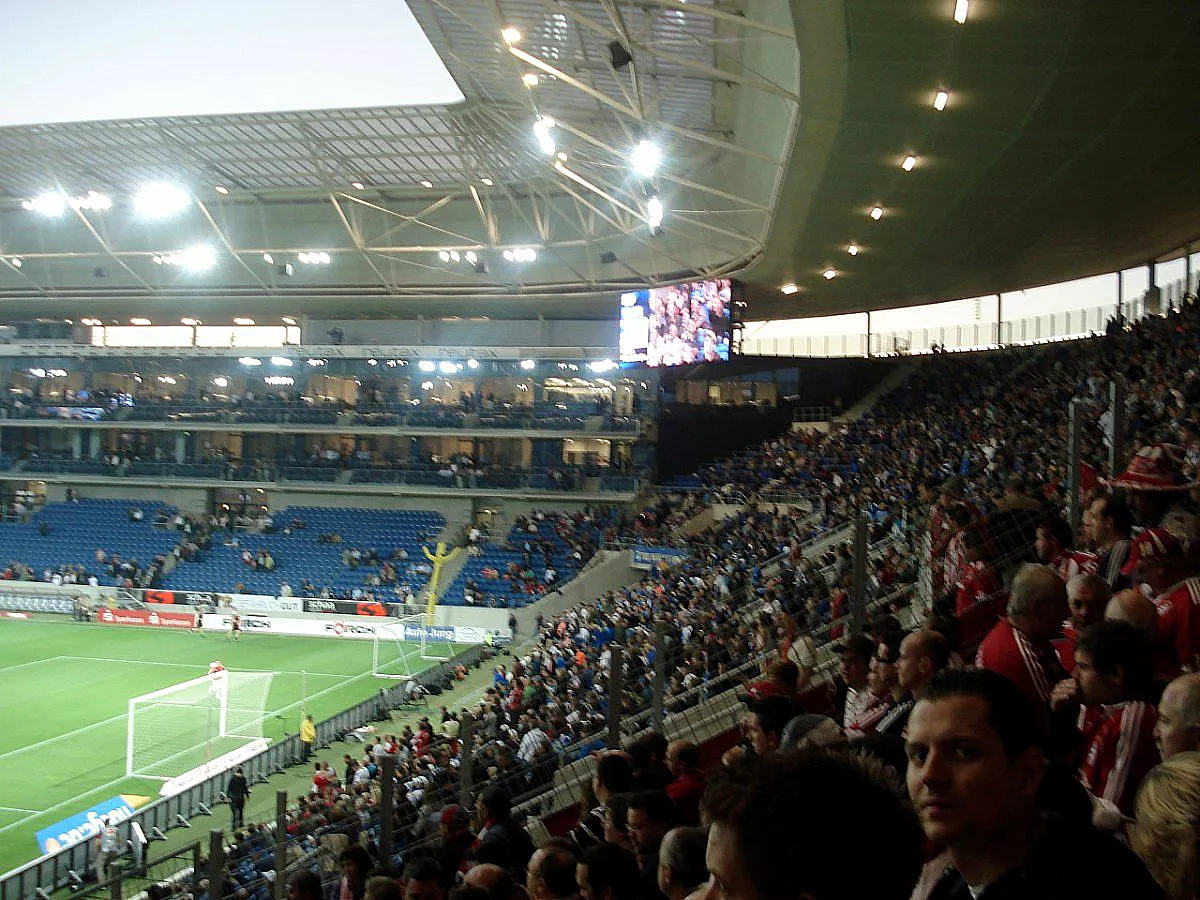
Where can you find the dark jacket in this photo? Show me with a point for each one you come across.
(1065, 863)
(238, 789)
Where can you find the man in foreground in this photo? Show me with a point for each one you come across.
(976, 766)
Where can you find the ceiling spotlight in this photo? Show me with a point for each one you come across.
(910, 163)
(51, 203)
(789, 288)
(426, 183)
(15, 262)
(281, 361)
(221, 381)
(960, 11)
(645, 158)
(287, 320)
(654, 213)
(472, 364)
(876, 213)
(249, 360)
(541, 131)
(940, 99)
(137, 321)
(358, 185)
(189, 321)
(456, 256)
(530, 80)
(159, 200)
(470, 257)
(486, 181)
(221, 189)
(198, 258)
(444, 255)
(528, 364)
(426, 365)
(852, 249)
(269, 259)
(511, 35)
(242, 320)
(829, 274)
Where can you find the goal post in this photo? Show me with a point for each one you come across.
(175, 729)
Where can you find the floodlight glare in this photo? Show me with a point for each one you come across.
(242, 320)
(511, 34)
(447, 368)
(269, 259)
(471, 257)
(358, 185)
(960, 11)
(472, 364)
(789, 288)
(876, 213)
(909, 163)
(426, 365)
(187, 320)
(249, 361)
(829, 274)
(91, 201)
(528, 364)
(486, 182)
(15, 262)
(645, 158)
(530, 80)
(852, 249)
(159, 200)
(139, 321)
(456, 256)
(221, 189)
(654, 213)
(940, 99)
(508, 255)
(51, 203)
(198, 258)
(444, 255)
(541, 131)
(281, 361)
(221, 381)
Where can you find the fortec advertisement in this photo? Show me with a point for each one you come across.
(86, 825)
(152, 617)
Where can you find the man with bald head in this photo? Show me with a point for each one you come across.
(550, 873)
(1178, 726)
(1019, 647)
(922, 654)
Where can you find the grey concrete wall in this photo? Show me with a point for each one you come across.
(193, 500)
(608, 571)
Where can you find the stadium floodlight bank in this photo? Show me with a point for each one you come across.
(179, 728)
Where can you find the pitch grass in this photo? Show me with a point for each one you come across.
(64, 695)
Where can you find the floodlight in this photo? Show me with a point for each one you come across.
(281, 361)
(960, 11)
(528, 364)
(541, 131)
(829, 274)
(426, 365)
(15, 262)
(471, 257)
(221, 381)
(909, 163)
(447, 368)
(876, 213)
(159, 200)
(789, 288)
(221, 189)
(426, 183)
(654, 213)
(852, 249)
(358, 185)
(249, 361)
(645, 158)
(51, 203)
(243, 320)
(198, 258)
(472, 364)
(511, 34)
(486, 182)
(269, 259)
(530, 80)
(940, 99)
(139, 321)
(444, 255)
(187, 320)
(456, 256)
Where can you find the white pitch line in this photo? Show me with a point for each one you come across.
(35, 662)
(102, 788)
(60, 737)
(36, 812)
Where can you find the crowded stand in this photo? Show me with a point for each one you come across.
(1079, 690)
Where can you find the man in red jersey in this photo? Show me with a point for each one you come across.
(1019, 647)
(1055, 547)
(1087, 597)
(1114, 665)
(1162, 560)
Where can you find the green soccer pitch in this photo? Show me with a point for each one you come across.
(65, 689)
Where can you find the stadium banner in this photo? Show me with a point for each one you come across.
(352, 607)
(646, 557)
(86, 825)
(259, 603)
(176, 598)
(212, 768)
(359, 628)
(35, 596)
(155, 618)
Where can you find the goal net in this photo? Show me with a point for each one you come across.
(181, 727)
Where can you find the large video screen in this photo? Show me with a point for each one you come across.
(676, 325)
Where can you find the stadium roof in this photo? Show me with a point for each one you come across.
(1067, 147)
